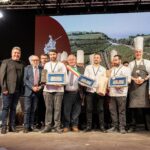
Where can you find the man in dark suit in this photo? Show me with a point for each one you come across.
(32, 76)
(11, 83)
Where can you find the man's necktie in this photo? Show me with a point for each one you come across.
(36, 76)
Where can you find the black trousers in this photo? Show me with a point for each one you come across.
(91, 99)
(117, 107)
(71, 109)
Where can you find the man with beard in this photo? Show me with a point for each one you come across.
(94, 71)
(53, 95)
(118, 95)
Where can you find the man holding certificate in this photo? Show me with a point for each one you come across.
(118, 89)
(53, 92)
(72, 100)
(94, 71)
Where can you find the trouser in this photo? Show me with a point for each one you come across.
(30, 104)
(53, 103)
(71, 109)
(117, 107)
(40, 110)
(10, 102)
(90, 98)
(135, 115)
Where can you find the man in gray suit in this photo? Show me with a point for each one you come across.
(32, 77)
(11, 83)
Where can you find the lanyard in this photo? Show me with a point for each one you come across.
(115, 73)
(53, 69)
(95, 73)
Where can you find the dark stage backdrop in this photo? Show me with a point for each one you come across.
(17, 28)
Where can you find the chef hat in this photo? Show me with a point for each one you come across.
(112, 54)
(80, 56)
(91, 57)
(64, 56)
(138, 43)
(58, 56)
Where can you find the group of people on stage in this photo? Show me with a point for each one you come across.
(59, 105)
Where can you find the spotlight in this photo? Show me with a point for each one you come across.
(1, 15)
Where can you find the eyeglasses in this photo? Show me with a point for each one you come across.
(35, 60)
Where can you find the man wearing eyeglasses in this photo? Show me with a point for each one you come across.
(32, 78)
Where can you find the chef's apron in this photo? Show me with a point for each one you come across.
(138, 94)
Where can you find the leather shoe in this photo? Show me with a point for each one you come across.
(75, 129)
(46, 129)
(25, 130)
(3, 130)
(12, 129)
(122, 131)
(65, 130)
(58, 130)
(102, 129)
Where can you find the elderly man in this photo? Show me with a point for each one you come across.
(94, 71)
(53, 95)
(71, 100)
(32, 76)
(138, 92)
(11, 83)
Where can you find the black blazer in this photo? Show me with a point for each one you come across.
(9, 77)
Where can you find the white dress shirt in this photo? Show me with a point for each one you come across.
(94, 72)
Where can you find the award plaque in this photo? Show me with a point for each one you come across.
(55, 78)
(118, 82)
(43, 76)
(85, 81)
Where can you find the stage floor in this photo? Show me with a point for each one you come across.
(75, 141)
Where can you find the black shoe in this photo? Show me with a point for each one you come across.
(102, 129)
(3, 130)
(25, 130)
(88, 129)
(32, 129)
(46, 129)
(113, 129)
(12, 129)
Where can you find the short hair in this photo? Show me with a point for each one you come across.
(44, 55)
(97, 54)
(125, 62)
(72, 55)
(119, 56)
(16, 47)
(30, 58)
(53, 50)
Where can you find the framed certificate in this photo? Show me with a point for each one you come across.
(85, 81)
(55, 78)
(118, 82)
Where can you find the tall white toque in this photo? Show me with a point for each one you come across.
(80, 56)
(112, 54)
(91, 58)
(64, 56)
(139, 43)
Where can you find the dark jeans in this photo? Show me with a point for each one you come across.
(71, 109)
(92, 98)
(117, 107)
(53, 103)
(10, 102)
(30, 104)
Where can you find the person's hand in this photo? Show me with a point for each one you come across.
(140, 81)
(35, 88)
(5, 92)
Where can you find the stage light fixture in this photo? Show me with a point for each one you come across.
(4, 1)
(1, 15)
